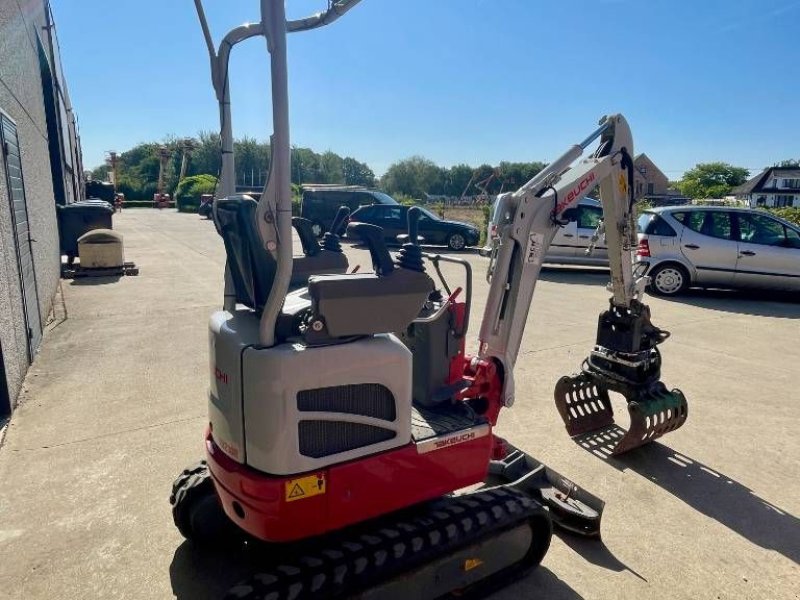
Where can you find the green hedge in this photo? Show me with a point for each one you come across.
(789, 213)
(190, 189)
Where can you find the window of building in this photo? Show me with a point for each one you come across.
(643, 170)
(650, 188)
(791, 183)
(784, 200)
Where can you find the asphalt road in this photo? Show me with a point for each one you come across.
(114, 407)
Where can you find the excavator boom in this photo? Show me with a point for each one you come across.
(625, 358)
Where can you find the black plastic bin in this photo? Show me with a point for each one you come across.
(79, 217)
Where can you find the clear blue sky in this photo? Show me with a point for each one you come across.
(454, 80)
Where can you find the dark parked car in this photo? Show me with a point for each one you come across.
(321, 203)
(394, 221)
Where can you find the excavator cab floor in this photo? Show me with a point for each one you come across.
(428, 423)
(585, 407)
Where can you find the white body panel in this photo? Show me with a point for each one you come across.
(228, 335)
(274, 376)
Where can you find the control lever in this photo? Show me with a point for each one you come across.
(372, 236)
(331, 239)
(307, 238)
(414, 213)
(410, 255)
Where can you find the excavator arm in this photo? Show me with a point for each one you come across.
(625, 357)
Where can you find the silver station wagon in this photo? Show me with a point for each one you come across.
(682, 246)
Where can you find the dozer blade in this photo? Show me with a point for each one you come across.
(571, 507)
(584, 406)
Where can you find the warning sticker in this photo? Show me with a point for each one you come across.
(534, 253)
(305, 487)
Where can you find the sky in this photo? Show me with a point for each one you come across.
(456, 81)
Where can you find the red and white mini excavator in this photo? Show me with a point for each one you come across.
(346, 420)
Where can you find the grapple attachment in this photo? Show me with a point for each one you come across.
(584, 406)
(625, 360)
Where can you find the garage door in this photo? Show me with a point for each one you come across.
(22, 238)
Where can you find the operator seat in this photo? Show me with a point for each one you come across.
(251, 266)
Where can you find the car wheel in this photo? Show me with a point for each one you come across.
(456, 241)
(669, 280)
(318, 229)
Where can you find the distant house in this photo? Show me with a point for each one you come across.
(776, 186)
(648, 180)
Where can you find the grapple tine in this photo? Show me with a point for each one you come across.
(583, 405)
(652, 415)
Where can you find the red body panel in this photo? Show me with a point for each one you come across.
(355, 491)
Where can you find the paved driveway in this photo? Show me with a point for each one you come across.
(114, 407)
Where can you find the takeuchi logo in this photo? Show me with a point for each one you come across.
(578, 190)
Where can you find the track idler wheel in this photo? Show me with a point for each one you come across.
(585, 407)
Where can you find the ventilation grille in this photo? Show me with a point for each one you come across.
(324, 438)
(365, 399)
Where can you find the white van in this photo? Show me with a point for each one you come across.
(571, 240)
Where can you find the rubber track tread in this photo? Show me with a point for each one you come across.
(368, 555)
(193, 482)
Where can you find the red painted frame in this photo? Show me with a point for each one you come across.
(355, 491)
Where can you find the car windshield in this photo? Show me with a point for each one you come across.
(383, 198)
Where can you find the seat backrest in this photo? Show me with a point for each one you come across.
(252, 267)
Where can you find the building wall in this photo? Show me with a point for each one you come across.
(21, 99)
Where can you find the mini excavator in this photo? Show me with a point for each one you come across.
(350, 431)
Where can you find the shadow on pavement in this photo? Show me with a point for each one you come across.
(204, 575)
(197, 574)
(597, 553)
(760, 303)
(712, 493)
(95, 280)
(541, 584)
(575, 275)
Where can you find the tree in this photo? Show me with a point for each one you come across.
(711, 180)
(357, 173)
(792, 163)
(414, 176)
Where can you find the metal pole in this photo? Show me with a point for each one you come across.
(274, 213)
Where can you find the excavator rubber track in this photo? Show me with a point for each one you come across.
(462, 544)
(585, 407)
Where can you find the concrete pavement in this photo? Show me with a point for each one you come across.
(114, 407)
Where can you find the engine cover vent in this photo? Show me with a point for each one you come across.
(365, 399)
(324, 438)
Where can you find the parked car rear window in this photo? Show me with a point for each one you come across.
(653, 224)
(691, 219)
(718, 225)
